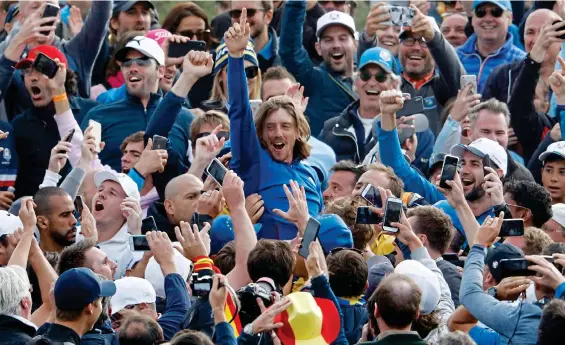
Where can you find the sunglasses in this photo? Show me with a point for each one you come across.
(251, 71)
(219, 135)
(410, 41)
(496, 12)
(200, 35)
(235, 14)
(365, 76)
(336, 3)
(142, 62)
(339, 249)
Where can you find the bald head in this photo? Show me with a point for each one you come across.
(534, 23)
(397, 301)
(180, 184)
(181, 198)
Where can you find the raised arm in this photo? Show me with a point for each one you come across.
(21, 252)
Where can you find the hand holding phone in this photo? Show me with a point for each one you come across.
(512, 227)
(217, 171)
(470, 80)
(96, 132)
(138, 243)
(78, 207)
(400, 16)
(159, 143)
(372, 195)
(449, 168)
(311, 234)
(50, 10)
(148, 224)
(180, 49)
(393, 210)
(45, 65)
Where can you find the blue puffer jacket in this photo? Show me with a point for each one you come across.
(473, 64)
(255, 166)
(328, 93)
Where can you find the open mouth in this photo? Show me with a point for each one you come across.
(98, 206)
(279, 146)
(168, 77)
(337, 56)
(388, 43)
(415, 57)
(488, 27)
(134, 79)
(467, 182)
(35, 90)
(372, 92)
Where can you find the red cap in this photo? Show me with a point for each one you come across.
(51, 51)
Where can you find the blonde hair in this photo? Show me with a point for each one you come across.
(211, 117)
(219, 92)
(302, 149)
(396, 185)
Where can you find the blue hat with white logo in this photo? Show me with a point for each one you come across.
(503, 4)
(78, 287)
(378, 56)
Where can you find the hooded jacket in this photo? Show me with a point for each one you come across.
(255, 166)
(474, 64)
(329, 93)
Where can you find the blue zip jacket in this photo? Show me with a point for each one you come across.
(127, 116)
(255, 166)
(516, 322)
(328, 94)
(100, 334)
(472, 60)
(176, 307)
(112, 95)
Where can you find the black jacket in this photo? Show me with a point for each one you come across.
(345, 144)
(157, 210)
(516, 171)
(274, 60)
(500, 82)
(14, 331)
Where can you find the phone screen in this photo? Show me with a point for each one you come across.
(78, 207)
(449, 168)
(50, 11)
(560, 28)
(372, 195)
(515, 268)
(512, 227)
(365, 216)
(159, 142)
(196, 220)
(148, 224)
(392, 214)
(96, 132)
(217, 171)
(181, 49)
(311, 233)
(139, 243)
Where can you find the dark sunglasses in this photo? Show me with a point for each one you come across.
(142, 62)
(251, 71)
(336, 3)
(365, 76)
(235, 14)
(201, 35)
(219, 135)
(339, 249)
(410, 41)
(482, 11)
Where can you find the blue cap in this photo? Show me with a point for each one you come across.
(333, 233)
(222, 56)
(122, 6)
(222, 232)
(13, 11)
(378, 56)
(78, 287)
(503, 4)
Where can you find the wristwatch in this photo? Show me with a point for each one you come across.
(492, 291)
(248, 329)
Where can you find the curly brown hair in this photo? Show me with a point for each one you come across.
(346, 208)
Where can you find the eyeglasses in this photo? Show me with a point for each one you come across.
(365, 76)
(335, 3)
(141, 62)
(251, 71)
(496, 12)
(219, 135)
(235, 14)
(519, 208)
(201, 35)
(410, 41)
(339, 249)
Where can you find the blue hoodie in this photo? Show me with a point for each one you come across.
(473, 63)
(255, 166)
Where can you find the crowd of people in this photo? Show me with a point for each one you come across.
(170, 179)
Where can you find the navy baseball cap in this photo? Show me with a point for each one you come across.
(503, 4)
(122, 6)
(78, 287)
(377, 56)
(495, 255)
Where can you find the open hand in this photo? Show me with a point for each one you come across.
(296, 93)
(489, 231)
(254, 207)
(132, 211)
(265, 322)
(75, 20)
(298, 212)
(190, 239)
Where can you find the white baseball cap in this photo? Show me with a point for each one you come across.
(154, 275)
(335, 18)
(558, 214)
(9, 223)
(131, 291)
(128, 185)
(482, 147)
(425, 279)
(557, 148)
(144, 45)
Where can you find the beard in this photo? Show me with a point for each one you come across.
(475, 194)
(63, 240)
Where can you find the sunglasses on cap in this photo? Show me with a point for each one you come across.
(380, 77)
(200, 35)
(235, 14)
(251, 71)
(335, 3)
(142, 62)
(410, 41)
(496, 12)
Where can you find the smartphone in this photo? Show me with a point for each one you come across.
(254, 105)
(159, 142)
(411, 107)
(560, 28)
(486, 164)
(449, 167)
(512, 227)
(365, 216)
(68, 139)
(372, 195)
(311, 233)
(96, 132)
(138, 243)
(217, 171)
(393, 210)
(400, 15)
(78, 207)
(181, 49)
(469, 79)
(44, 65)
(148, 224)
(195, 220)
(516, 268)
(51, 10)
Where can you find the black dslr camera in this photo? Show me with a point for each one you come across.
(248, 294)
(201, 283)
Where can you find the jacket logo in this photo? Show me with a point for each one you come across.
(7, 155)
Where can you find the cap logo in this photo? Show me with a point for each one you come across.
(137, 40)
(334, 15)
(495, 264)
(385, 56)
